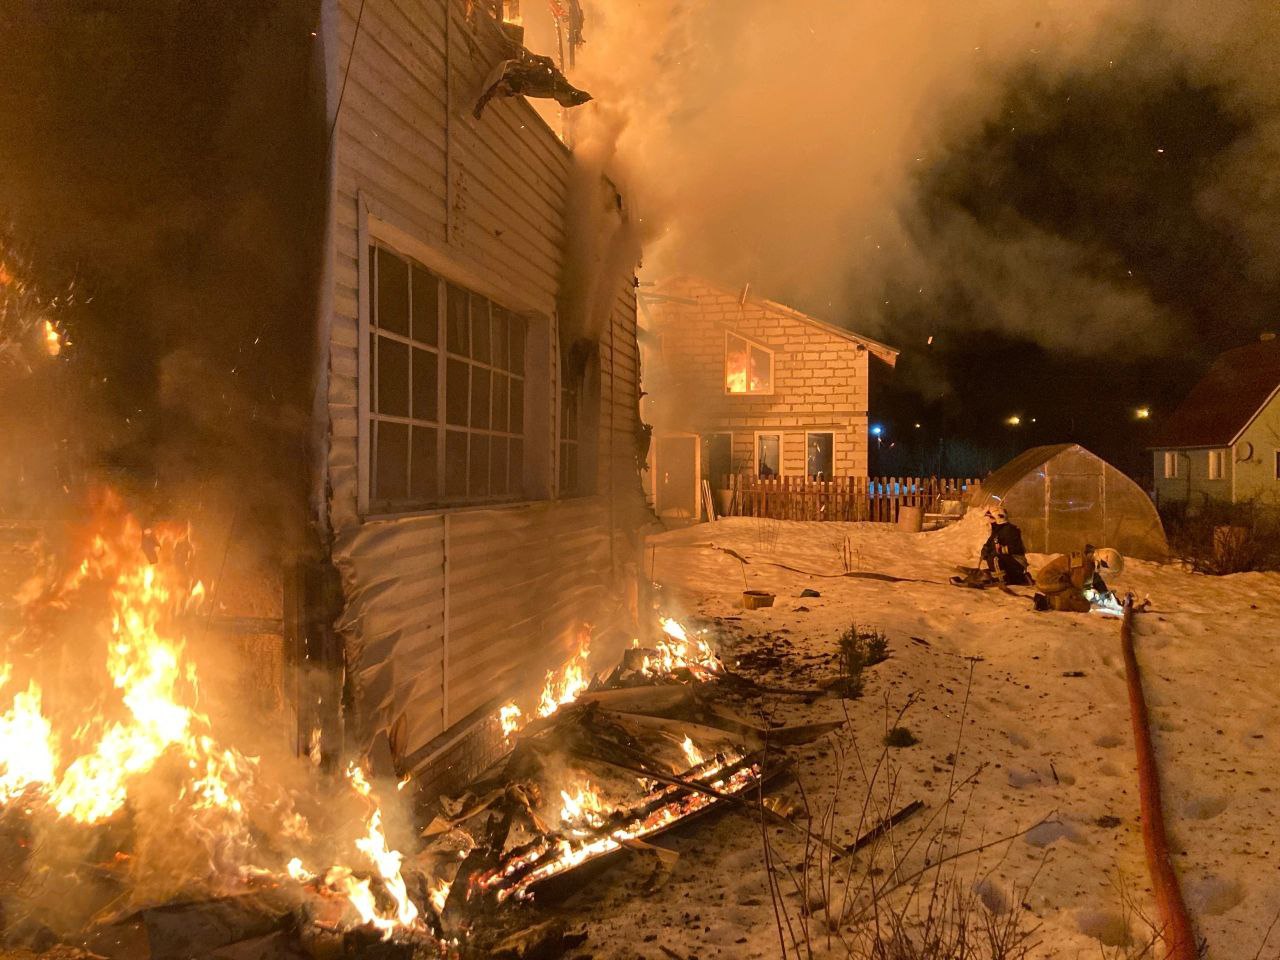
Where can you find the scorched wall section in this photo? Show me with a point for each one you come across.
(448, 611)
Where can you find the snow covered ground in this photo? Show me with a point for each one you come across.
(1047, 713)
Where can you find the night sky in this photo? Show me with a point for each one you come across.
(1113, 165)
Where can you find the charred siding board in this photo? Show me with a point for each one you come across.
(518, 580)
(393, 572)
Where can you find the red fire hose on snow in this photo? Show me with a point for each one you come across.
(1175, 921)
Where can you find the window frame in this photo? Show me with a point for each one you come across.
(569, 448)
(755, 454)
(374, 226)
(1217, 465)
(830, 433)
(724, 376)
(1171, 465)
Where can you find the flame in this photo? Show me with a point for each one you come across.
(438, 895)
(142, 573)
(584, 808)
(146, 666)
(509, 716)
(677, 650)
(27, 754)
(52, 339)
(569, 684)
(555, 857)
(404, 913)
(297, 872)
(691, 753)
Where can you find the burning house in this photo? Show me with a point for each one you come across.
(738, 384)
(367, 468)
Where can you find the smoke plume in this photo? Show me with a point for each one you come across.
(1092, 177)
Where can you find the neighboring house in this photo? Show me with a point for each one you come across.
(1223, 442)
(737, 384)
(483, 491)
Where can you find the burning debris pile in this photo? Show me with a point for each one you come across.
(607, 765)
(125, 815)
(118, 794)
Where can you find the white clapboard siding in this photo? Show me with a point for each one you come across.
(448, 611)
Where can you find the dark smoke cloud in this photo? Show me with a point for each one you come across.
(169, 158)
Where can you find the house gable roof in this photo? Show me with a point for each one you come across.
(1226, 400)
(684, 284)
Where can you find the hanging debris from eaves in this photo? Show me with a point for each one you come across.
(529, 75)
(526, 74)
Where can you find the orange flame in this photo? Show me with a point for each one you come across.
(147, 588)
(52, 339)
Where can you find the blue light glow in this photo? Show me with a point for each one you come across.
(876, 430)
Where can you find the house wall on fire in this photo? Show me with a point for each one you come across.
(818, 384)
(481, 461)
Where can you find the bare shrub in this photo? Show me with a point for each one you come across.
(1222, 538)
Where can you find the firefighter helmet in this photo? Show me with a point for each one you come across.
(1109, 559)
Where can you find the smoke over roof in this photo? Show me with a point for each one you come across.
(1091, 176)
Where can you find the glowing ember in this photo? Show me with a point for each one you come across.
(565, 854)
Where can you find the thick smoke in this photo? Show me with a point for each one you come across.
(1091, 176)
(168, 159)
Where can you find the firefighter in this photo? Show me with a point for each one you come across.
(1073, 581)
(1003, 554)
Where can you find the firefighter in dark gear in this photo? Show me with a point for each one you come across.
(1003, 554)
(1072, 582)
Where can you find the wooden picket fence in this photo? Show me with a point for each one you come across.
(875, 499)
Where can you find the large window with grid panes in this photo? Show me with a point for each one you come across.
(446, 399)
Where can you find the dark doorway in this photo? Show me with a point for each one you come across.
(676, 493)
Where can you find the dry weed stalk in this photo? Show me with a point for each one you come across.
(878, 905)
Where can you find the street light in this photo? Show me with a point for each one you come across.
(1142, 413)
(1013, 421)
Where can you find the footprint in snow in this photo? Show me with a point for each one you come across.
(1024, 778)
(1108, 927)
(1204, 808)
(1044, 834)
(1214, 896)
(1108, 741)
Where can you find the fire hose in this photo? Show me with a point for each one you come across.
(1175, 921)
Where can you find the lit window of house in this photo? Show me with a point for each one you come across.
(1170, 464)
(446, 399)
(1217, 464)
(748, 367)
